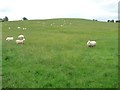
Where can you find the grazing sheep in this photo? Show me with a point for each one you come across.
(61, 25)
(19, 41)
(9, 38)
(91, 43)
(24, 28)
(18, 27)
(9, 28)
(21, 37)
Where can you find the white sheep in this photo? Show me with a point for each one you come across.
(61, 25)
(18, 27)
(19, 41)
(21, 37)
(9, 28)
(91, 43)
(24, 28)
(9, 38)
(51, 24)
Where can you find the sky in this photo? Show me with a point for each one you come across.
(47, 9)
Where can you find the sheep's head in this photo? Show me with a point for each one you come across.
(88, 42)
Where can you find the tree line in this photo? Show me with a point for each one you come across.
(113, 21)
(6, 19)
(117, 21)
(24, 18)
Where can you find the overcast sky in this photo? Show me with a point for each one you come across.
(47, 9)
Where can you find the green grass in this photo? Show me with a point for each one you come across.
(0, 55)
(57, 57)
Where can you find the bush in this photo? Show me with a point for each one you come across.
(24, 18)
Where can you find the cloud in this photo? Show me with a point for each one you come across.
(3, 10)
(41, 9)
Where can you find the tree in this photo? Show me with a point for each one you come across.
(112, 21)
(108, 21)
(24, 18)
(1, 20)
(5, 18)
(117, 21)
(94, 20)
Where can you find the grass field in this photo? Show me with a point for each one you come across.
(55, 54)
(0, 55)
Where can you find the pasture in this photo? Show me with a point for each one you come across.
(0, 55)
(55, 54)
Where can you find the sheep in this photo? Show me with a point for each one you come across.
(9, 38)
(19, 41)
(24, 28)
(91, 43)
(18, 27)
(9, 28)
(21, 37)
(61, 25)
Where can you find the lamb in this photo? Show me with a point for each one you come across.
(19, 41)
(91, 43)
(9, 38)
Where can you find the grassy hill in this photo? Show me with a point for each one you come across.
(55, 54)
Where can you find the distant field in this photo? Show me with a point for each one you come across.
(55, 54)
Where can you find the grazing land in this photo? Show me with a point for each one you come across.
(55, 55)
(0, 55)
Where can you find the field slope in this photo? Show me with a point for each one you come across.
(55, 54)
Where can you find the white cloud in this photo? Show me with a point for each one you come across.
(44, 9)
